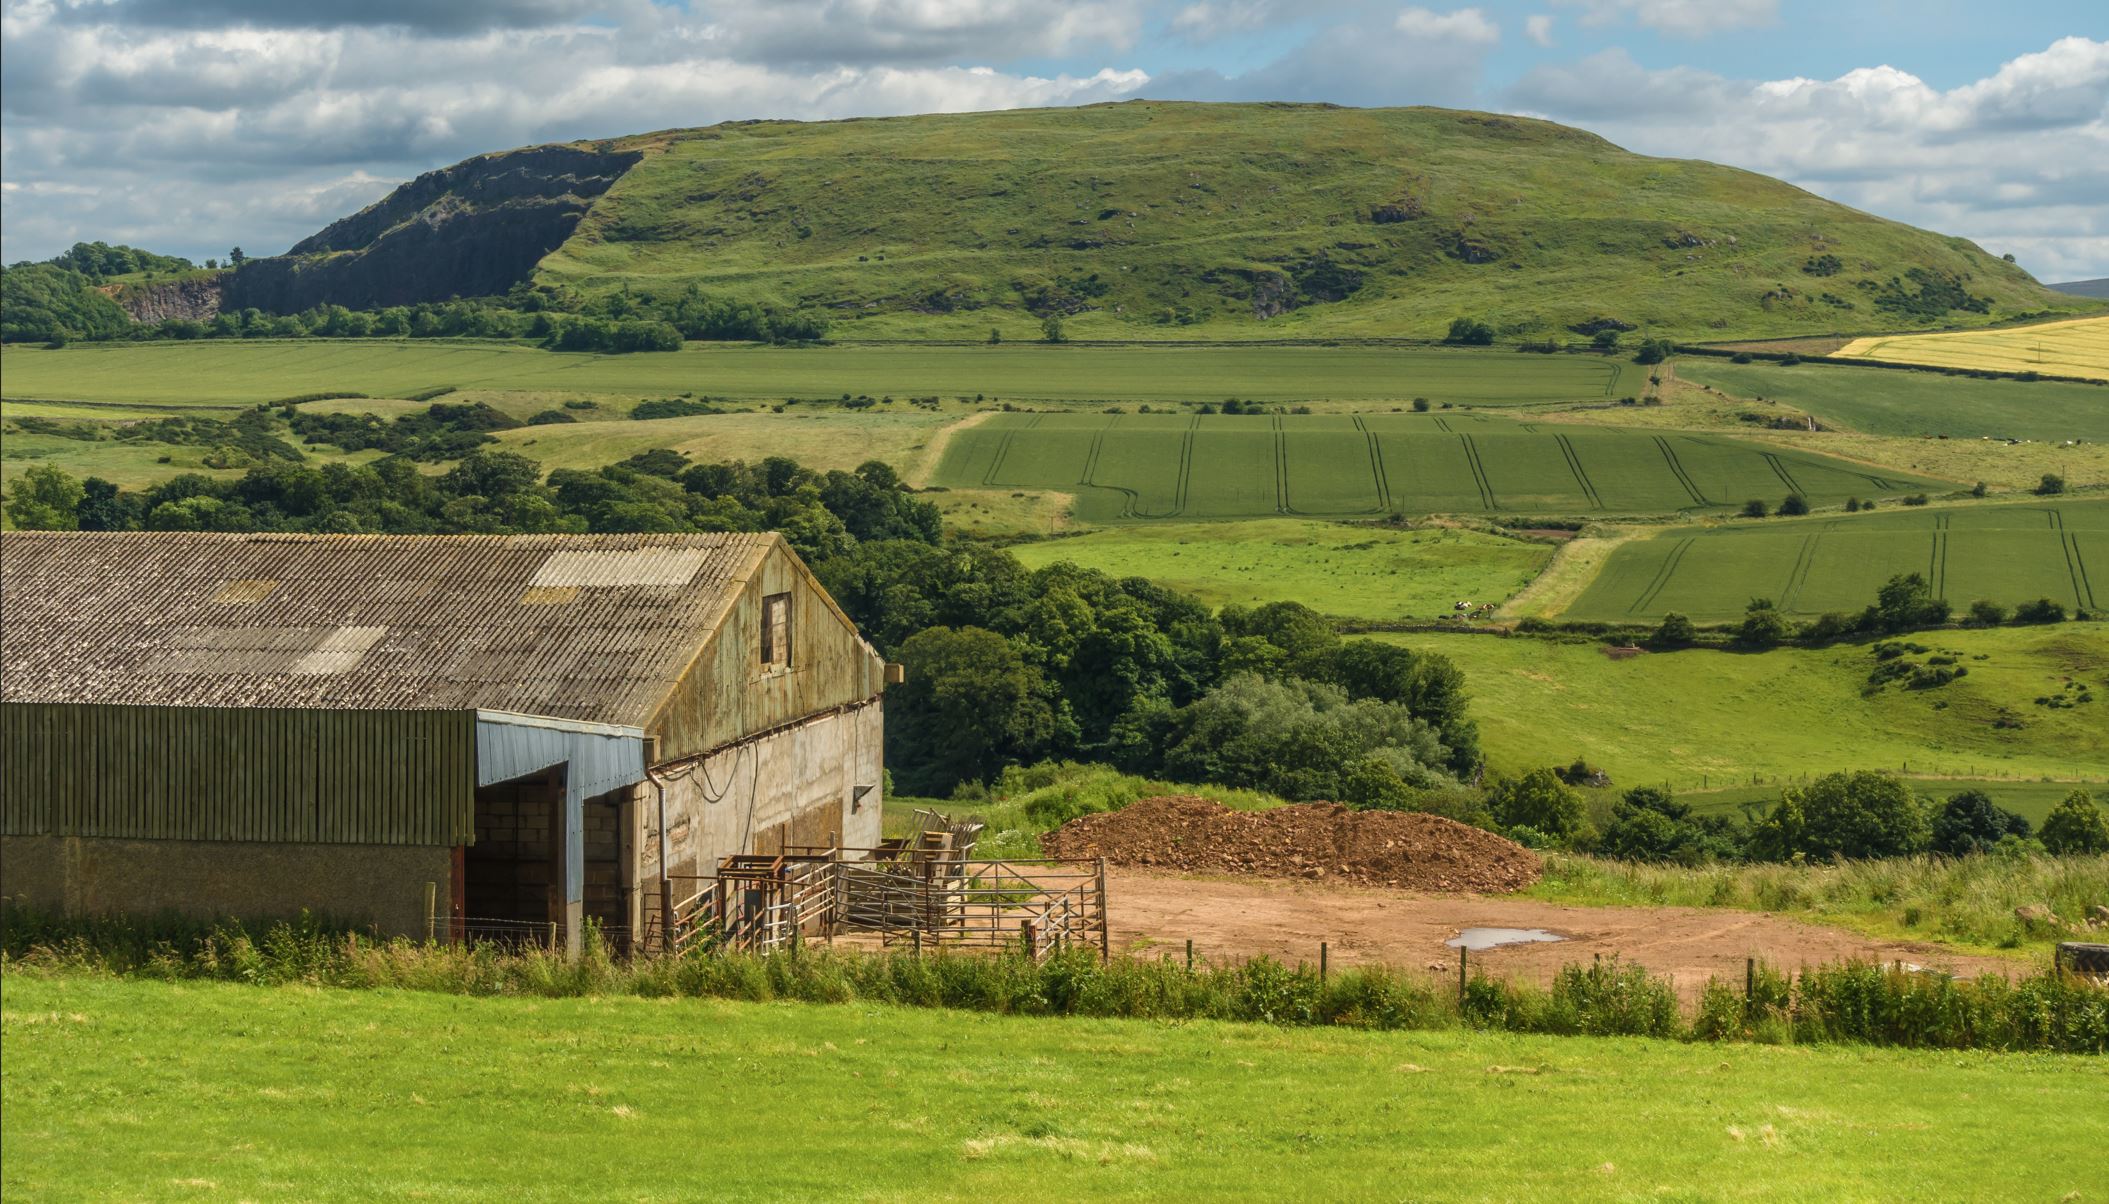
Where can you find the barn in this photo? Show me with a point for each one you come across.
(462, 734)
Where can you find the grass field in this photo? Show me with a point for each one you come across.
(2076, 347)
(1701, 719)
(248, 372)
(143, 1090)
(1349, 571)
(1879, 401)
(1200, 466)
(2007, 553)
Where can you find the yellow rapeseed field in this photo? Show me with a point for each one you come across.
(2077, 347)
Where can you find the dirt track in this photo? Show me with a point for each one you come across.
(1246, 917)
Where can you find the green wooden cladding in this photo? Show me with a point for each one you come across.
(215, 773)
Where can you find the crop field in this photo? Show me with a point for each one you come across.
(1354, 572)
(249, 372)
(1704, 719)
(1879, 401)
(1125, 467)
(2075, 347)
(2005, 553)
(144, 1090)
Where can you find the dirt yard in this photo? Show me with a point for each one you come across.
(1241, 918)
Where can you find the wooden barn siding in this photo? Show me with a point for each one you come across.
(214, 773)
(725, 696)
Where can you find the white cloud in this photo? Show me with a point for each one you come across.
(1538, 28)
(189, 139)
(1467, 25)
(1685, 18)
(2018, 161)
(1210, 20)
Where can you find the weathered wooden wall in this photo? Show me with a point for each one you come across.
(227, 774)
(728, 695)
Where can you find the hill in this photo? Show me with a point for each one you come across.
(2084, 288)
(1159, 220)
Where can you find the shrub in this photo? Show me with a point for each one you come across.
(1538, 800)
(1794, 504)
(2051, 484)
(2042, 610)
(1862, 814)
(1986, 613)
(1970, 823)
(1762, 627)
(2076, 826)
(1755, 508)
(1653, 351)
(1676, 631)
(1469, 332)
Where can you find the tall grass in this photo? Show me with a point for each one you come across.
(1852, 1002)
(1972, 900)
(1029, 800)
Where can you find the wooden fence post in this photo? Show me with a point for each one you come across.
(1189, 955)
(431, 912)
(1321, 960)
(1461, 952)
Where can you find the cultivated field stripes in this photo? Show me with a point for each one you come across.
(2006, 554)
(1151, 466)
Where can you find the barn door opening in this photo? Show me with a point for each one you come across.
(513, 874)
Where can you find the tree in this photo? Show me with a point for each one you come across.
(2051, 483)
(1605, 341)
(2076, 826)
(1676, 632)
(970, 704)
(2042, 610)
(1420, 405)
(1905, 602)
(1647, 824)
(1538, 800)
(995, 335)
(236, 259)
(1051, 330)
(45, 499)
(1970, 823)
(1469, 332)
(1794, 504)
(1986, 613)
(1755, 508)
(1860, 814)
(1763, 627)
(1653, 351)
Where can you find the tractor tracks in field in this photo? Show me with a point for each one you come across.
(1479, 472)
(1662, 576)
(1669, 457)
(2075, 565)
(1581, 476)
(1376, 467)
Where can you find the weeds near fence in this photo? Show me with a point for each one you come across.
(1852, 1002)
(1967, 899)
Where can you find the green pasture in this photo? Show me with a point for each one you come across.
(2032, 800)
(143, 1090)
(1152, 466)
(1882, 401)
(1357, 572)
(1701, 718)
(267, 370)
(2007, 553)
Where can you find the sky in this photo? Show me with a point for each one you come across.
(191, 126)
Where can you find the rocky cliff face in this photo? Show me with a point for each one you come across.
(197, 299)
(471, 230)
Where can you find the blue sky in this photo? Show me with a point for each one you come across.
(194, 125)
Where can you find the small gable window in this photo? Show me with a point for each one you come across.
(776, 631)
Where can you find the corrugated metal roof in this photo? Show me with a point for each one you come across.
(595, 627)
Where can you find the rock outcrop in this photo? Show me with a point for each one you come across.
(471, 230)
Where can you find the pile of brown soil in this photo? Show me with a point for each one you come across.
(1325, 841)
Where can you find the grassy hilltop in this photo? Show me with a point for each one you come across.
(1160, 220)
